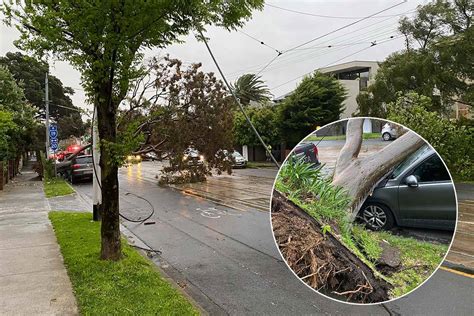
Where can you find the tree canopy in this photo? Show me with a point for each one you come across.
(265, 120)
(29, 74)
(437, 61)
(250, 87)
(318, 100)
(17, 123)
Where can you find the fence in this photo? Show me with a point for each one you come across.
(8, 170)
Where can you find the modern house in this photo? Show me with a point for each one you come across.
(355, 76)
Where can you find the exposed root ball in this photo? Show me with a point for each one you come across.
(322, 261)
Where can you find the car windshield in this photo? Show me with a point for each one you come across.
(407, 162)
(84, 160)
(236, 154)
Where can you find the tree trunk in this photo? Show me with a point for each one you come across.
(110, 227)
(360, 176)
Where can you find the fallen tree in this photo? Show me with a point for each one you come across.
(320, 259)
(359, 176)
(313, 224)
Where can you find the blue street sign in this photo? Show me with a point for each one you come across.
(53, 137)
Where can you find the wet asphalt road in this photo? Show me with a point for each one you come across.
(227, 260)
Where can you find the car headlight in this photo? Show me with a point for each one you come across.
(184, 158)
(138, 157)
(201, 157)
(129, 158)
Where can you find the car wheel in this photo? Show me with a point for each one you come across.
(386, 136)
(376, 216)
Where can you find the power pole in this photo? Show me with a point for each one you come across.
(96, 180)
(46, 100)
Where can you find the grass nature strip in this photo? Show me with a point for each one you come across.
(342, 137)
(306, 187)
(131, 286)
(56, 187)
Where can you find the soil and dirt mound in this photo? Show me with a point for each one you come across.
(320, 260)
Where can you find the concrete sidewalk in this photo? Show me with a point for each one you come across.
(33, 279)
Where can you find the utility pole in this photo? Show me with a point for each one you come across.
(96, 180)
(46, 100)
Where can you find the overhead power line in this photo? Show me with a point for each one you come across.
(260, 41)
(346, 26)
(327, 34)
(267, 149)
(331, 63)
(329, 16)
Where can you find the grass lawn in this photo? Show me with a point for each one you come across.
(342, 137)
(131, 286)
(260, 164)
(57, 187)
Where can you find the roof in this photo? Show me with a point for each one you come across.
(349, 66)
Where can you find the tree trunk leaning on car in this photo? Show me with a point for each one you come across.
(359, 176)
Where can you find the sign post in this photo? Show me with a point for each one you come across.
(53, 140)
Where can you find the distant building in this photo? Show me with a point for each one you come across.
(355, 76)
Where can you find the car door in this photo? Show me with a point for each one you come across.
(432, 203)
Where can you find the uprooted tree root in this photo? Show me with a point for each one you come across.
(320, 260)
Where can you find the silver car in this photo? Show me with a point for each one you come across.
(389, 132)
(418, 192)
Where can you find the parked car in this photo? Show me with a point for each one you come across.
(309, 151)
(389, 132)
(238, 161)
(81, 169)
(192, 157)
(63, 167)
(418, 192)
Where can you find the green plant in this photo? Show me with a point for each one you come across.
(452, 141)
(48, 168)
(326, 229)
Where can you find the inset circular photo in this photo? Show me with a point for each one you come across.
(363, 210)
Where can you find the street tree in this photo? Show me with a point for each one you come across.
(105, 40)
(359, 176)
(318, 100)
(29, 74)
(250, 87)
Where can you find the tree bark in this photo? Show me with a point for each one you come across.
(110, 227)
(360, 176)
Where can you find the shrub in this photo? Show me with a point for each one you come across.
(451, 140)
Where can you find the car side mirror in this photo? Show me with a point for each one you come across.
(412, 181)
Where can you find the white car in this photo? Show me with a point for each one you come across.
(389, 132)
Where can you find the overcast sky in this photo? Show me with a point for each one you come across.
(282, 30)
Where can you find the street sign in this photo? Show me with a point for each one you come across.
(53, 137)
